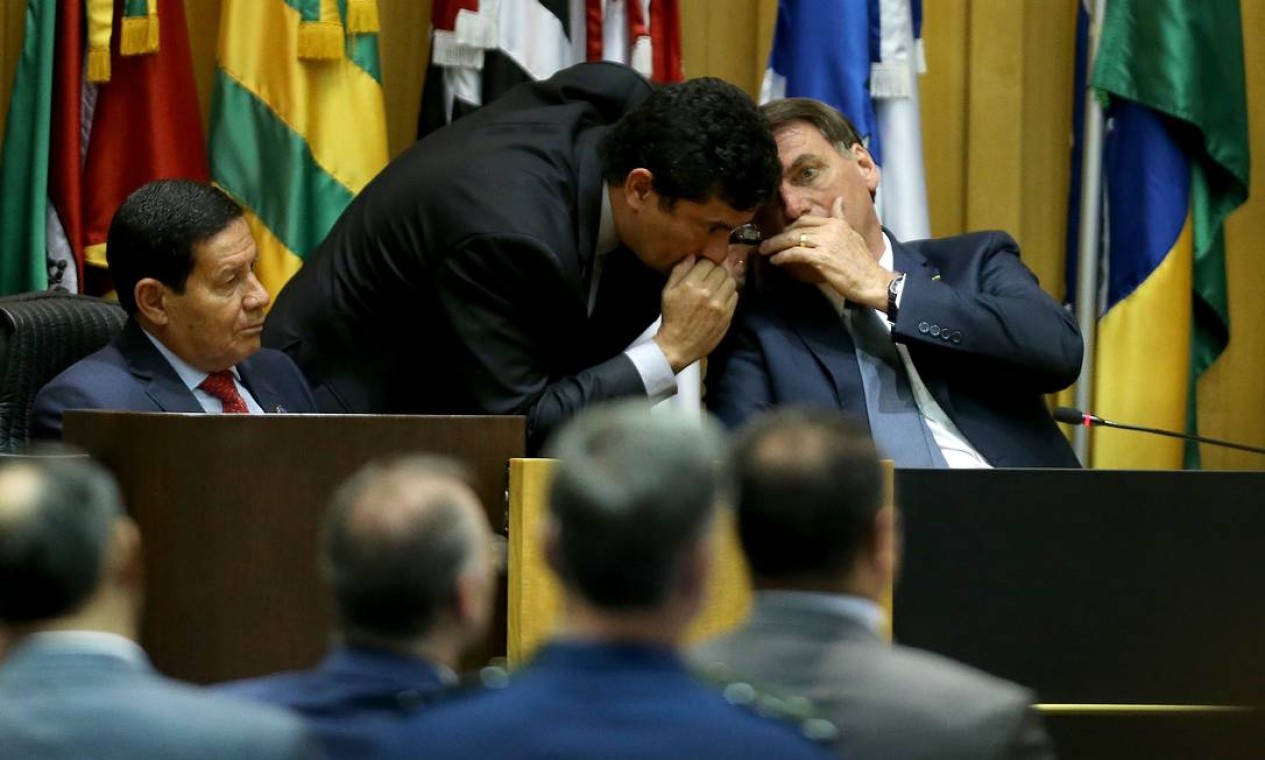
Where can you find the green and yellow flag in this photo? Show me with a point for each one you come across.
(298, 125)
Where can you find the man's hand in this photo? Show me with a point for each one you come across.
(698, 304)
(829, 250)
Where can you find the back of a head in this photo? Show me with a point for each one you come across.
(397, 536)
(154, 231)
(57, 517)
(632, 493)
(806, 487)
(699, 138)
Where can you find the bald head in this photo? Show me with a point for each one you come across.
(398, 536)
(57, 518)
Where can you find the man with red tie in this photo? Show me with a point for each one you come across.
(182, 259)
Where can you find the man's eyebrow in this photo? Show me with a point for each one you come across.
(800, 161)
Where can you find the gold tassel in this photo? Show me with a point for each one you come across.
(99, 15)
(362, 17)
(320, 40)
(140, 33)
(98, 65)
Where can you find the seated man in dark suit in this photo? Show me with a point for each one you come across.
(823, 550)
(631, 504)
(74, 683)
(944, 347)
(408, 559)
(505, 263)
(182, 259)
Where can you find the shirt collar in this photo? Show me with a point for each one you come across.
(607, 239)
(89, 642)
(191, 376)
(864, 611)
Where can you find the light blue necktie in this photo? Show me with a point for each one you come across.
(899, 430)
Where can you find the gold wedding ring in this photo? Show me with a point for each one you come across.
(803, 239)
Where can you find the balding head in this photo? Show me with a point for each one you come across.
(807, 488)
(57, 521)
(399, 537)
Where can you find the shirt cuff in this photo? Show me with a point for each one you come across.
(652, 366)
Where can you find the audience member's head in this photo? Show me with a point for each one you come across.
(408, 555)
(182, 259)
(69, 556)
(631, 502)
(687, 165)
(808, 491)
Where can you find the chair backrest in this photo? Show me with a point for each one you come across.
(42, 334)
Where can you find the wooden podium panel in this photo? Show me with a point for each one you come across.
(230, 507)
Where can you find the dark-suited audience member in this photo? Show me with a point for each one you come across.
(182, 259)
(822, 549)
(631, 503)
(74, 683)
(408, 559)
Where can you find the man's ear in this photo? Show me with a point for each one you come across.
(150, 295)
(638, 188)
(869, 169)
(126, 557)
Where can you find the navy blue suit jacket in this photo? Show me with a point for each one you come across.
(986, 340)
(130, 375)
(350, 699)
(598, 701)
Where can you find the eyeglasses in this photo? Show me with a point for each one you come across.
(747, 234)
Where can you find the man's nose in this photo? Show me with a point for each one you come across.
(258, 297)
(716, 250)
(794, 204)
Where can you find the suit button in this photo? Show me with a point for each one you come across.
(957, 336)
(935, 331)
(944, 334)
(923, 327)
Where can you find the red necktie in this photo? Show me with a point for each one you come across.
(220, 385)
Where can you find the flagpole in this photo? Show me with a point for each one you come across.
(1089, 233)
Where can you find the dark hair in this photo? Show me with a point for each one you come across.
(631, 495)
(833, 125)
(396, 538)
(806, 487)
(154, 232)
(56, 521)
(700, 138)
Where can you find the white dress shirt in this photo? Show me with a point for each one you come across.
(193, 377)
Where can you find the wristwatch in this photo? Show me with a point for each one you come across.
(894, 289)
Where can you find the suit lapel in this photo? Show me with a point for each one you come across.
(264, 391)
(822, 331)
(162, 384)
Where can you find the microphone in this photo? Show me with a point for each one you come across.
(1069, 416)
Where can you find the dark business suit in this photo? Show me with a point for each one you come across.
(131, 375)
(350, 699)
(889, 702)
(458, 280)
(56, 702)
(614, 702)
(984, 337)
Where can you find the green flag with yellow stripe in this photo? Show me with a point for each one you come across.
(298, 124)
